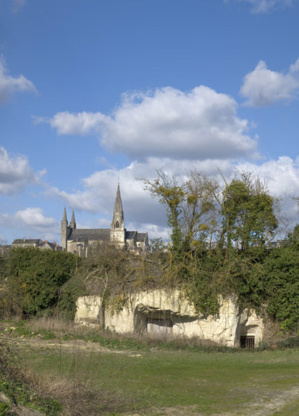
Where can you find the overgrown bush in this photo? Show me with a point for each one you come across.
(34, 279)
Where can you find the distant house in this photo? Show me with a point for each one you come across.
(25, 242)
(50, 246)
(36, 242)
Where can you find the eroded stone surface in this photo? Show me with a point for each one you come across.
(146, 312)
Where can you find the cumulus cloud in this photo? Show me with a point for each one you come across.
(167, 122)
(98, 190)
(144, 213)
(34, 217)
(266, 6)
(10, 85)
(281, 175)
(30, 223)
(263, 87)
(79, 124)
(15, 173)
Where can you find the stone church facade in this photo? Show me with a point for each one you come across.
(79, 241)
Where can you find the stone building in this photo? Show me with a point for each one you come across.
(78, 241)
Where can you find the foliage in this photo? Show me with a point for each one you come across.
(68, 295)
(157, 244)
(221, 245)
(171, 194)
(35, 277)
(20, 388)
(248, 213)
(190, 207)
(115, 274)
(281, 285)
(199, 211)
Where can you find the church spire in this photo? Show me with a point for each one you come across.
(118, 213)
(64, 219)
(73, 222)
(64, 231)
(118, 231)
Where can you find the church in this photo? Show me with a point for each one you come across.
(79, 241)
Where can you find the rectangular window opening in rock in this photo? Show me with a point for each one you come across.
(247, 341)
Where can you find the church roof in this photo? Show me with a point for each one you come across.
(135, 235)
(100, 234)
(130, 234)
(27, 241)
(141, 237)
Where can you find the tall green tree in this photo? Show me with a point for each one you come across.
(248, 213)
(172, 195)
(190, 205)
(281, 283)
(199, 211)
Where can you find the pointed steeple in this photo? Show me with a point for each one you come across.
(64, 218)
(118, 231)
(73, 222)
(64, 231)
(118, 213)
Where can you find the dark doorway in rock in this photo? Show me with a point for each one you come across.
(247, 341)
(159, 326)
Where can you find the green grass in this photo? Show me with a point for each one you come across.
(153, 377)
(211, 382)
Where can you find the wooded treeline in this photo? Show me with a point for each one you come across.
(220, 245)
(223, 242)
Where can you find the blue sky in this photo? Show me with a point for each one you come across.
(99, 91)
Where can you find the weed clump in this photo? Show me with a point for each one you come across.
(19, 388)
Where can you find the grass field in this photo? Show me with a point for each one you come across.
(94, 380)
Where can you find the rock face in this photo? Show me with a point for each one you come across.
(160, 312)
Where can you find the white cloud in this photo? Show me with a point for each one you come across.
(266, 6)
(144, 213)
(80, 124)
(34, 217)
(264, 87)
(10, 85)
(18, 5)
(98, 190)
(15, 173)
(167, 122)
(31, 223)
(281, 175)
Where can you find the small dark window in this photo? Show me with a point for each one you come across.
(247, 341)
(117, 224)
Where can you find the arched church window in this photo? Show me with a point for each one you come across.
(117, 224)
